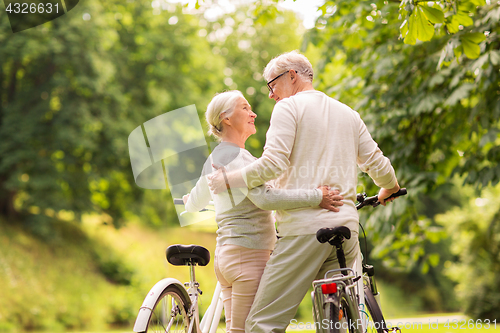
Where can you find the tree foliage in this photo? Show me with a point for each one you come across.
(474, 230)
(431, 122)
(435, 113)
(73, 89)
(419, 21)
(247, 48)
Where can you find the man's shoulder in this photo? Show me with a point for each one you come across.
(307, 97)
(312, 98)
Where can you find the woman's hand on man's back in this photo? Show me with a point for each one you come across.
(331, 199)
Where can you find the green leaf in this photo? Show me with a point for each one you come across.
(403, 3)
(426, 104)
(353, 41)
(458, 94)
(425, 30)
(433, 14)
(434, 259)
(458, 51)
(425, 268)
(495, 57)
(471, 49)
(475, 37)
(323, 9)
(479, 63)
(411, 36)
(453, 25)
(404, 28)
(464, 19)
(437, 79)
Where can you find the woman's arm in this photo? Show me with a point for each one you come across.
(269, 198)
(199, 197)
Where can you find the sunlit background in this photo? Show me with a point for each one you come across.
(81, 243)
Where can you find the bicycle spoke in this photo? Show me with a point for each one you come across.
(169, 315)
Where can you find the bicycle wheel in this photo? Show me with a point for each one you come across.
(340, 318)
(373, 318)
(169, 314)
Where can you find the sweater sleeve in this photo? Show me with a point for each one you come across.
(269, 198)
(199, 197)
(280, 139)
(372, 161)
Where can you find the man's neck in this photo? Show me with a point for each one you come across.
(304, 86)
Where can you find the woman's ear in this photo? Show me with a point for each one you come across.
(226, 121)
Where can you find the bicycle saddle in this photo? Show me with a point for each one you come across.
(325, 234)
(180, 255)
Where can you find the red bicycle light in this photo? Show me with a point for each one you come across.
(329, 288)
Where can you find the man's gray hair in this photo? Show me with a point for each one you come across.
(286, 61)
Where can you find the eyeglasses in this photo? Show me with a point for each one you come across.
(277, 77)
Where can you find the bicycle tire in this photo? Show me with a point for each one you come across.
(376, 321)
(171, 309)
(339, 320)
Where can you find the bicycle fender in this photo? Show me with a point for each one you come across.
(146, 309)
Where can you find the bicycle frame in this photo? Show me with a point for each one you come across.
(340, 288)
(151, 299)
(210, 320)
(344, 283)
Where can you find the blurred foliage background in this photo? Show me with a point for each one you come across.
(76, 229)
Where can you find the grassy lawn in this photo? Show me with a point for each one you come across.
(62, 283)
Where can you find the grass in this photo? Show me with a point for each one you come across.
(61, 284)
(48, 286)
(68, 282)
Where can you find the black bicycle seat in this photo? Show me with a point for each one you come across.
(181, 255)
(325, 234)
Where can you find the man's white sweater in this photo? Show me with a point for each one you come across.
(315, 140)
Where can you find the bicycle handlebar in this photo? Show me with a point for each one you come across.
(178, 201)
(363, 200)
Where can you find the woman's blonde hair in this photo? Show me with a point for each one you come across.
(224, 102)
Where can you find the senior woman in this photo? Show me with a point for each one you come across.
(246, 232)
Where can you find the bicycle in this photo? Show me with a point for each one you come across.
(171, 306)
(336, 302)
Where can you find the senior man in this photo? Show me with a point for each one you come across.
(312, 140)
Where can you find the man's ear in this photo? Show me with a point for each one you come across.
(293, 75)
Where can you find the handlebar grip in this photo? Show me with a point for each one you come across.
(178, 201)
(402, 191)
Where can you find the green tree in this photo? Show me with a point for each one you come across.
(73, 89)
(474, 230)
(247, 47)
(435, 116)
(418, 21)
